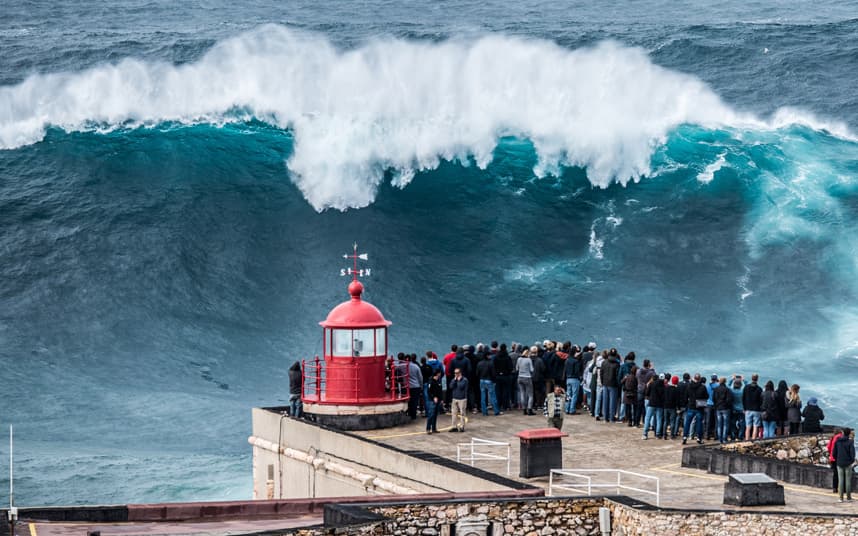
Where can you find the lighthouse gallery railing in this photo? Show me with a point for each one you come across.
(315, 384)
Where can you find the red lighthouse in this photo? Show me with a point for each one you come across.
(353, 387)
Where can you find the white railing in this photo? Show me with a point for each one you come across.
(485, 444)
(586, 482)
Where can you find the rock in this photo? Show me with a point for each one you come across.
(782, 454)
(792, 454)
(429, 532)
(547, 531)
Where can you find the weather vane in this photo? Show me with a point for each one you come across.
(354, 272)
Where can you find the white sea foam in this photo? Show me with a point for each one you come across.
(394, 105)
(708, 174)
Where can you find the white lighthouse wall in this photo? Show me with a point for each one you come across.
(317, 462)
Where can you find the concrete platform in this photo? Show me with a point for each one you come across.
(600, 445)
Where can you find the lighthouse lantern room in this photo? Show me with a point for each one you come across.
(353, 386)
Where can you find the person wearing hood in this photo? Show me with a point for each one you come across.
(813, 416)
(610, 385)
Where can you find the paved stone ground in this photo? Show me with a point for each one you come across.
(600, 445)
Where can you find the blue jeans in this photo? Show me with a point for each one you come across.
(431, 416)
(599, 395)
(722, 431)
(691, 414)
(487, 392)
(296, 407)
(609, 406)
(658, 414)
(769, 429)
(591, 403)
(671, 419)
(572, 387)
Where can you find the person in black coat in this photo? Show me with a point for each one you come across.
(812, 416)
(844, 457)
(697, 398)
(722, 401)
(295, 387)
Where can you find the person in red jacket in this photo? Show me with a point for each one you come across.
(831, 461)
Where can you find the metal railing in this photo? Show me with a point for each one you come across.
(588, 485)
(477, 443)
(315, 384)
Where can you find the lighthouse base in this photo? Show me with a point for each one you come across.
(348, 417)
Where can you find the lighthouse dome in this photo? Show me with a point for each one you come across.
(355, 313)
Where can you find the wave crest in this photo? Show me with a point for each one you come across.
(392, 105)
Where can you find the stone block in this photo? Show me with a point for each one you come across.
(753, 489)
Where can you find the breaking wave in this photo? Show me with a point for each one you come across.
(395, 106)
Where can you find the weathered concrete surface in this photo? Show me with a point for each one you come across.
(593, 444)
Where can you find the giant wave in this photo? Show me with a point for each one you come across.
(395, 106)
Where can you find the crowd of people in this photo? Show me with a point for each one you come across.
(494, 378)
(558, 379)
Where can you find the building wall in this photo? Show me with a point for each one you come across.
(319, 462)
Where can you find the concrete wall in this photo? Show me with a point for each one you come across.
(308, 460)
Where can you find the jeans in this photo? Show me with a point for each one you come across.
(600, 393)
(844, 481)
(296, 407)
(691, 414)
(609, 406)
(591, 404)
(525, 392)
(769, 429)
(671, 419)
(723, 427)
(487, 392)
(556, 422)
(630, 412)
(431, 416)
(658, 414)
(572, 387)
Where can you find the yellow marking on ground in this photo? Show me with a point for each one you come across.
(707, 477)
(406, 434)
(33, 530)
(665, 469)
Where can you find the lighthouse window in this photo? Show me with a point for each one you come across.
(380, 341)
(364, 342)
(342, 343)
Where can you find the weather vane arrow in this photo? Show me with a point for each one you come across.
(353, 271)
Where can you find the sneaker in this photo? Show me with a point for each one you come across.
(841, 499)
(699, 441)
(454, 430)
(645, 438)
(684, 440)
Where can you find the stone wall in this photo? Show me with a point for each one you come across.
(628, 521)
(580, 516)
(546, 517)
(809, 449)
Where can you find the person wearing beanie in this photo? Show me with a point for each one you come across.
(812, 416)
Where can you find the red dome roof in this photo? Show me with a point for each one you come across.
(355, 313)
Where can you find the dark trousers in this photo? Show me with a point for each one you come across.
(503, 387)
(834, 479)
(538, 393)
(413, 399)
(639, 408)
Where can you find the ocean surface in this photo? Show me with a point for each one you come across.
(179, 181)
